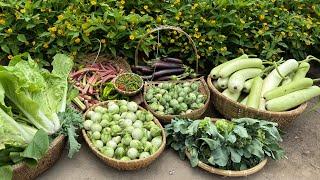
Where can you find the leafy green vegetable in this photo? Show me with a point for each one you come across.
(33, 152)
(234, 145)
(36, 92)
(6, 172)
(71, 120)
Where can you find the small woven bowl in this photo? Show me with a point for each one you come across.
(127, 93)
(125, 165)
(232, 109)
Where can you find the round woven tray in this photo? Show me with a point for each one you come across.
(22, 172)
(125, 165)
(232, 109)
(230, 173)
(116, 61)
(194, 114)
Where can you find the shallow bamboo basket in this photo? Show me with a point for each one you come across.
(125, 165)
(230, 173)
(232, 109)
(23, 172)
(194, 114)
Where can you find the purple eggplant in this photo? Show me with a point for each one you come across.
(165, 72)
(172, 60)
(166, 65)
(142, 69)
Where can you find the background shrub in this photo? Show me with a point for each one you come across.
(222, 29)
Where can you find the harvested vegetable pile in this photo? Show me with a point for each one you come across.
(122, 131)
(34, 107)
(128, 82)
(91, 81)
(283, 88)
(164, 69)
(175, 98)
(231, 145)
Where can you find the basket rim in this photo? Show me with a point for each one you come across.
(91, 146)
(299, 109)
(56, 141)
(127, 92)
(201, 79)
(230, 173)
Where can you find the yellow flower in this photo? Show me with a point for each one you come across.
(60, 17)
(273, 1)
(87, 34)
(261, 17)
(177, 18)
(131, 37)
(10, 56)
(210, 48)
(93, 2)
(242, 21)
(52, 29)
(2, 21)
(78, 40)
(290, 27)
(283, 33)
(172, 41)
(33, 43)
(177, 2)
(213, 22)
(180, 13)
(23, 10)
(145, 7)
(103, 41)
(9, 31)
(290, 34)
(46, 45)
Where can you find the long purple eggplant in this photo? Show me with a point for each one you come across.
(142, 69)
(166, 65)
(172, 60)
(165, 72)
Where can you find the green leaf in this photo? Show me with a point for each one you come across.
(212, 143)
(235, 157)
(241, 131)
(5, 48)
(6, 172)
(221, 156)
(231, 138)
(38, 147)
(74, 146)
(22, 38)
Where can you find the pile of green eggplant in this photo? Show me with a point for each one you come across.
(163, 69)
(275, 88)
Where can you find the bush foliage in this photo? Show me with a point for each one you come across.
(222, 29)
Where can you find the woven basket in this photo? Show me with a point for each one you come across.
(194, 114)
(116, 61)
(232, 109)
(23, 172)
(125, 165)
(230, 173)
(127, 93)
(163, 27)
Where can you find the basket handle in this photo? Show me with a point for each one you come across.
(166, 28)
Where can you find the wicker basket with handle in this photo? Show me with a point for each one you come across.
(232, 109)
(125, 165)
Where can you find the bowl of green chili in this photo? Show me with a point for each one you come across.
(128, 84)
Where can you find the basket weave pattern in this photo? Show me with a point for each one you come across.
(194, 114)
(231, 109)
(125, 165)
(23, 172)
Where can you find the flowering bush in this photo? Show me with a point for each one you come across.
(222, 29)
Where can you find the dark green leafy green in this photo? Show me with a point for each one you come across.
(71, 120)
(234, 145)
